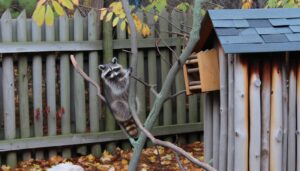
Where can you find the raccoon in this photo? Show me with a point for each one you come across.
(116, 88)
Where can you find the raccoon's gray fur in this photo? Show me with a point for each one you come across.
(116, 87)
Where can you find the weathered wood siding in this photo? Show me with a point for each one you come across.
(45, 101)
(263, 114)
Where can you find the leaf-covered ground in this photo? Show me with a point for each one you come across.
(158, 159)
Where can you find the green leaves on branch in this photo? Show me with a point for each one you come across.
(283, 4)
(184, 6)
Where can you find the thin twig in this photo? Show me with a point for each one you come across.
(177, 33)
(85, 76)
(158, 155)
(179, 163)
(159, 52)
(167, 45)
(127, 51)
(166, 19)
(151, 86)
(175, 95)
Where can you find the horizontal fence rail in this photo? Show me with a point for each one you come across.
(46, 104)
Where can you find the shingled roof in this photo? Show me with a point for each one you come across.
(253, 30)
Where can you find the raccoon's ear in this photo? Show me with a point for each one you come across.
(101, 67)
(114, 60)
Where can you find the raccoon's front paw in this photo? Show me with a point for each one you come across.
(130, 70)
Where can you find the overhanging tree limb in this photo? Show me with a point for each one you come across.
(161, 97)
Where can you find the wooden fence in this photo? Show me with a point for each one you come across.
(46, 108)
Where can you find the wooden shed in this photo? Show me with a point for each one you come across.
(252, 122)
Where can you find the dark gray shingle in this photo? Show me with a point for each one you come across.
(272, 30)
(293, 37)
(240, 39)
(279, 22)
(227, 31)
(275, 38)
(295, 28)
(258, 23)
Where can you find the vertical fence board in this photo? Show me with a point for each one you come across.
(284, 115)
(192, 108)
(230, 152)
(165, 67)
(241, 114)
(140, 89)
(65, 83)
(276, 118)
(208, 128)
(110, 123)
(216, 129)
(291, 158)
(8, 88)
(223, 108)
(152, 63)
(51, 87)
(255, 118)
(23, 83)
(298, 116)
(180, 99)
(122, 56)
(37, 88)
(79, 90)
(265, 115)
(94, 101)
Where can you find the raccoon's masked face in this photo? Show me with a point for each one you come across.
(111, 71)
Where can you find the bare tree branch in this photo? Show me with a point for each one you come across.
(175, 95)
(158, 50)
(179, 163)
(85, 76)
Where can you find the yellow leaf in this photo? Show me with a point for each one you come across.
(103, 12)
(146, 31)
(138, 25)
(115, 21)
(75, 2)
(109, 16)
(58, 8)
(246, 5)
(49, 16)
(41, 2)
(122, 15)
(39, 15)
(128, 30)
(155, 18)
(123, 25)
(68, 4)
(116, 7)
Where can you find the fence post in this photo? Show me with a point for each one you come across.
(291, 158)
(276, 118)
(255, 117)
(8, 88)
(241, 114)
